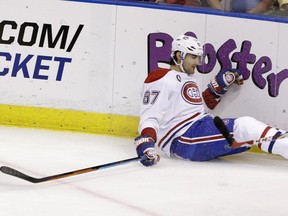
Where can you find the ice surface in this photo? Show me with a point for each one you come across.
(245, 184)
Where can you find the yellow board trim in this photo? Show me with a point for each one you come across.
(68, 120)
(71, 120)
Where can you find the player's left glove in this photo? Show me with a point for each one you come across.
(218, 85)
(145, 147)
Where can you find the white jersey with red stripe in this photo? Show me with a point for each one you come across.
(171, 102)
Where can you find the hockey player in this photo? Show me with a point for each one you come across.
(173, 115)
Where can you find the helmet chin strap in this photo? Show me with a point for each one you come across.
(181, 62)
(181, 66)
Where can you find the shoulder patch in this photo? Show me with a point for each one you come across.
(156, 75)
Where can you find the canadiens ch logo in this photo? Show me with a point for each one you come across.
(191, 94)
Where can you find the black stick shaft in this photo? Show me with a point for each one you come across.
(223, 129)
(18, 174)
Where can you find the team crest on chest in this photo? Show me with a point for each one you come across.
(191, 94)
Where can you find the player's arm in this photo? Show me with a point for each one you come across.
(218, 86)
(154, 102)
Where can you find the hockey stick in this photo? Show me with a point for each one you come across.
(16, 173)
(233, 144)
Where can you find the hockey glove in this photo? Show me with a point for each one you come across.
(145, 147)
(218, 85)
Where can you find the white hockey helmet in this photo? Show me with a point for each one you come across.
(186, 44)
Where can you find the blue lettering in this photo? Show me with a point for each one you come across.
(62, 62)
(8, 58)
(21, 65)
(30, 69)
(39, 66)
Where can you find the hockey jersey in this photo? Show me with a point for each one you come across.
(171, 102)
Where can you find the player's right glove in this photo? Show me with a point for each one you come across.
(145, 147)
(218, 85)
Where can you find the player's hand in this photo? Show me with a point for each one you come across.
(238, 77)
(145, 147)
(218, 85)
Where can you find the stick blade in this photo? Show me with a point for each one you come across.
(16, 173)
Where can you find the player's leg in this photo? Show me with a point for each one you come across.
(248, 128)
(202, 142)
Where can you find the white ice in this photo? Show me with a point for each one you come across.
(245, 184)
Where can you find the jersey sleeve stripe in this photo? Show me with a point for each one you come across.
(156, 75)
